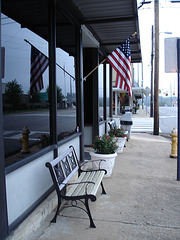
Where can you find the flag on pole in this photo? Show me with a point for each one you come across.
(39, 63)
(120, 60)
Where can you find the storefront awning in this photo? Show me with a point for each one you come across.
(109, 22)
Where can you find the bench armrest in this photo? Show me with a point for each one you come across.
(90, 161)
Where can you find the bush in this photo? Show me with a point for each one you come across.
(105, 144)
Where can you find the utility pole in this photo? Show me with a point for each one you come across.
(142, 86)
(152, 85)
(156, 69)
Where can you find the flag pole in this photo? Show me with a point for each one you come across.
(94, 69)
(133, 35)
(48, 58)
(103, 61)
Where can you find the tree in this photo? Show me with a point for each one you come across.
(13, 93)
(59, 94)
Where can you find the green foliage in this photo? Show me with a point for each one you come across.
(34, 98)
(105, 144)
(117, 132)
(59, 94)
(13, 93)
(44, 141)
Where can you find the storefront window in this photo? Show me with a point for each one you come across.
(26, 114)
(66, 96)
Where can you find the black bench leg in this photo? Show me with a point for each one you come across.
(92, 225)
(57, 210)
(103, 190)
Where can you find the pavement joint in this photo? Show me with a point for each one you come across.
(122, 222)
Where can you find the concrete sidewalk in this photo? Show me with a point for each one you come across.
(141, 122)
(142, 201)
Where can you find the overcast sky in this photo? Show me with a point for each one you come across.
(169, 20)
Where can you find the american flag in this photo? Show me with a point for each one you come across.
(120, 60)
(39, 63)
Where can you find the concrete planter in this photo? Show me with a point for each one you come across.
(108, 164)
(120, 142)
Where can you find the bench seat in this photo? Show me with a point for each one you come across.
(88, 183)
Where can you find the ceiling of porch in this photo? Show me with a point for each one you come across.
(105, 23)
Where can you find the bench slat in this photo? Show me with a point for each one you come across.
(89, 178)
(74, 191)
(80, 189)
(96, 186)
(96, 181)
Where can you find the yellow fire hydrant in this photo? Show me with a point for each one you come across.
(174, 136)
(25, 140)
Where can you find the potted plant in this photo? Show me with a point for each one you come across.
(105, 149)
(121, 135)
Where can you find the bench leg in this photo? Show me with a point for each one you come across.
(103, 190)
(57, 210)
(92, 225)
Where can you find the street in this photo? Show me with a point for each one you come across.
(38, 124)
(167, 119)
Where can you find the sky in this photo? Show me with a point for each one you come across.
(17, 60)
(169, 21)
(17, 57)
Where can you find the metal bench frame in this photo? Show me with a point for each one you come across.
(112, 123)
(62, 169)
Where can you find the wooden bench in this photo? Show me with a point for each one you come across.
(62, 169)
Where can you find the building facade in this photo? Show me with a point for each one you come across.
(86, 35)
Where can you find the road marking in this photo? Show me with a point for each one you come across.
(16, 136)
(143, 125)
(167, 116)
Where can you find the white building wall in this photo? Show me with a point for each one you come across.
(28, 183)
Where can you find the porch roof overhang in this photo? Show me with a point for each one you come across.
(119, 90)
(106, 24)
(138, 91)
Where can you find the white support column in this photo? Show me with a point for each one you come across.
(119, 105)
(116, 103)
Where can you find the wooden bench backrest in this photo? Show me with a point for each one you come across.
(63, 167)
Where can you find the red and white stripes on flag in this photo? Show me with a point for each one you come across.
(120, 60)
(39, 63)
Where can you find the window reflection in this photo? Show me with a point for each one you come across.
(66, 113)
(23, 115)
(23, 112)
